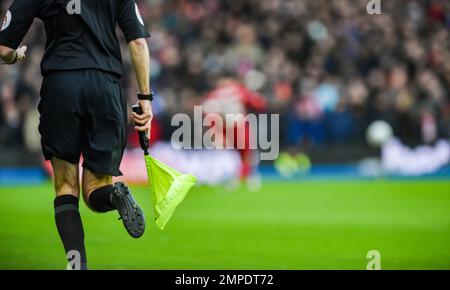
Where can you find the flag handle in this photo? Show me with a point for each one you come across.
(143, 141)
(143, 137)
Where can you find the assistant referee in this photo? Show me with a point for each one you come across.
(82, 108)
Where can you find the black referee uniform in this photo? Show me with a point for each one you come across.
(83, 110)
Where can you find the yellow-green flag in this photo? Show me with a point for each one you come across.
(168, 188)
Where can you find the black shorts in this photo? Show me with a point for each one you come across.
(83, 112)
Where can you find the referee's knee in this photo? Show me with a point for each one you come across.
(97, 189)
(67, 186)
(66, 178)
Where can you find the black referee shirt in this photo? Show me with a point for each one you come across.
(76, 40)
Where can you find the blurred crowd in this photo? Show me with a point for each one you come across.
(327, 67)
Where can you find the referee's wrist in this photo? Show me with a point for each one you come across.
(146, 97)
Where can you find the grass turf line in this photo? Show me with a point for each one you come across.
(287, 225)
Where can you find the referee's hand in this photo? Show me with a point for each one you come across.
(143, 122)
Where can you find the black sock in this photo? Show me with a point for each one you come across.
(70, 228)
(100, 199)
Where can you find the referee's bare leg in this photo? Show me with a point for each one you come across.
(97, 189)
(67, 216)
(101, 195)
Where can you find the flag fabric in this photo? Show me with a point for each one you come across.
(168, 189)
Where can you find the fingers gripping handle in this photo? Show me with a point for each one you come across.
(143, 138)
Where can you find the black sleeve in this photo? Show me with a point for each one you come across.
(17, 21)
(130, 21)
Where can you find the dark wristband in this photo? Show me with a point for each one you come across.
(145, 97)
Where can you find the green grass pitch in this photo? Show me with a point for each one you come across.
(287, 225)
